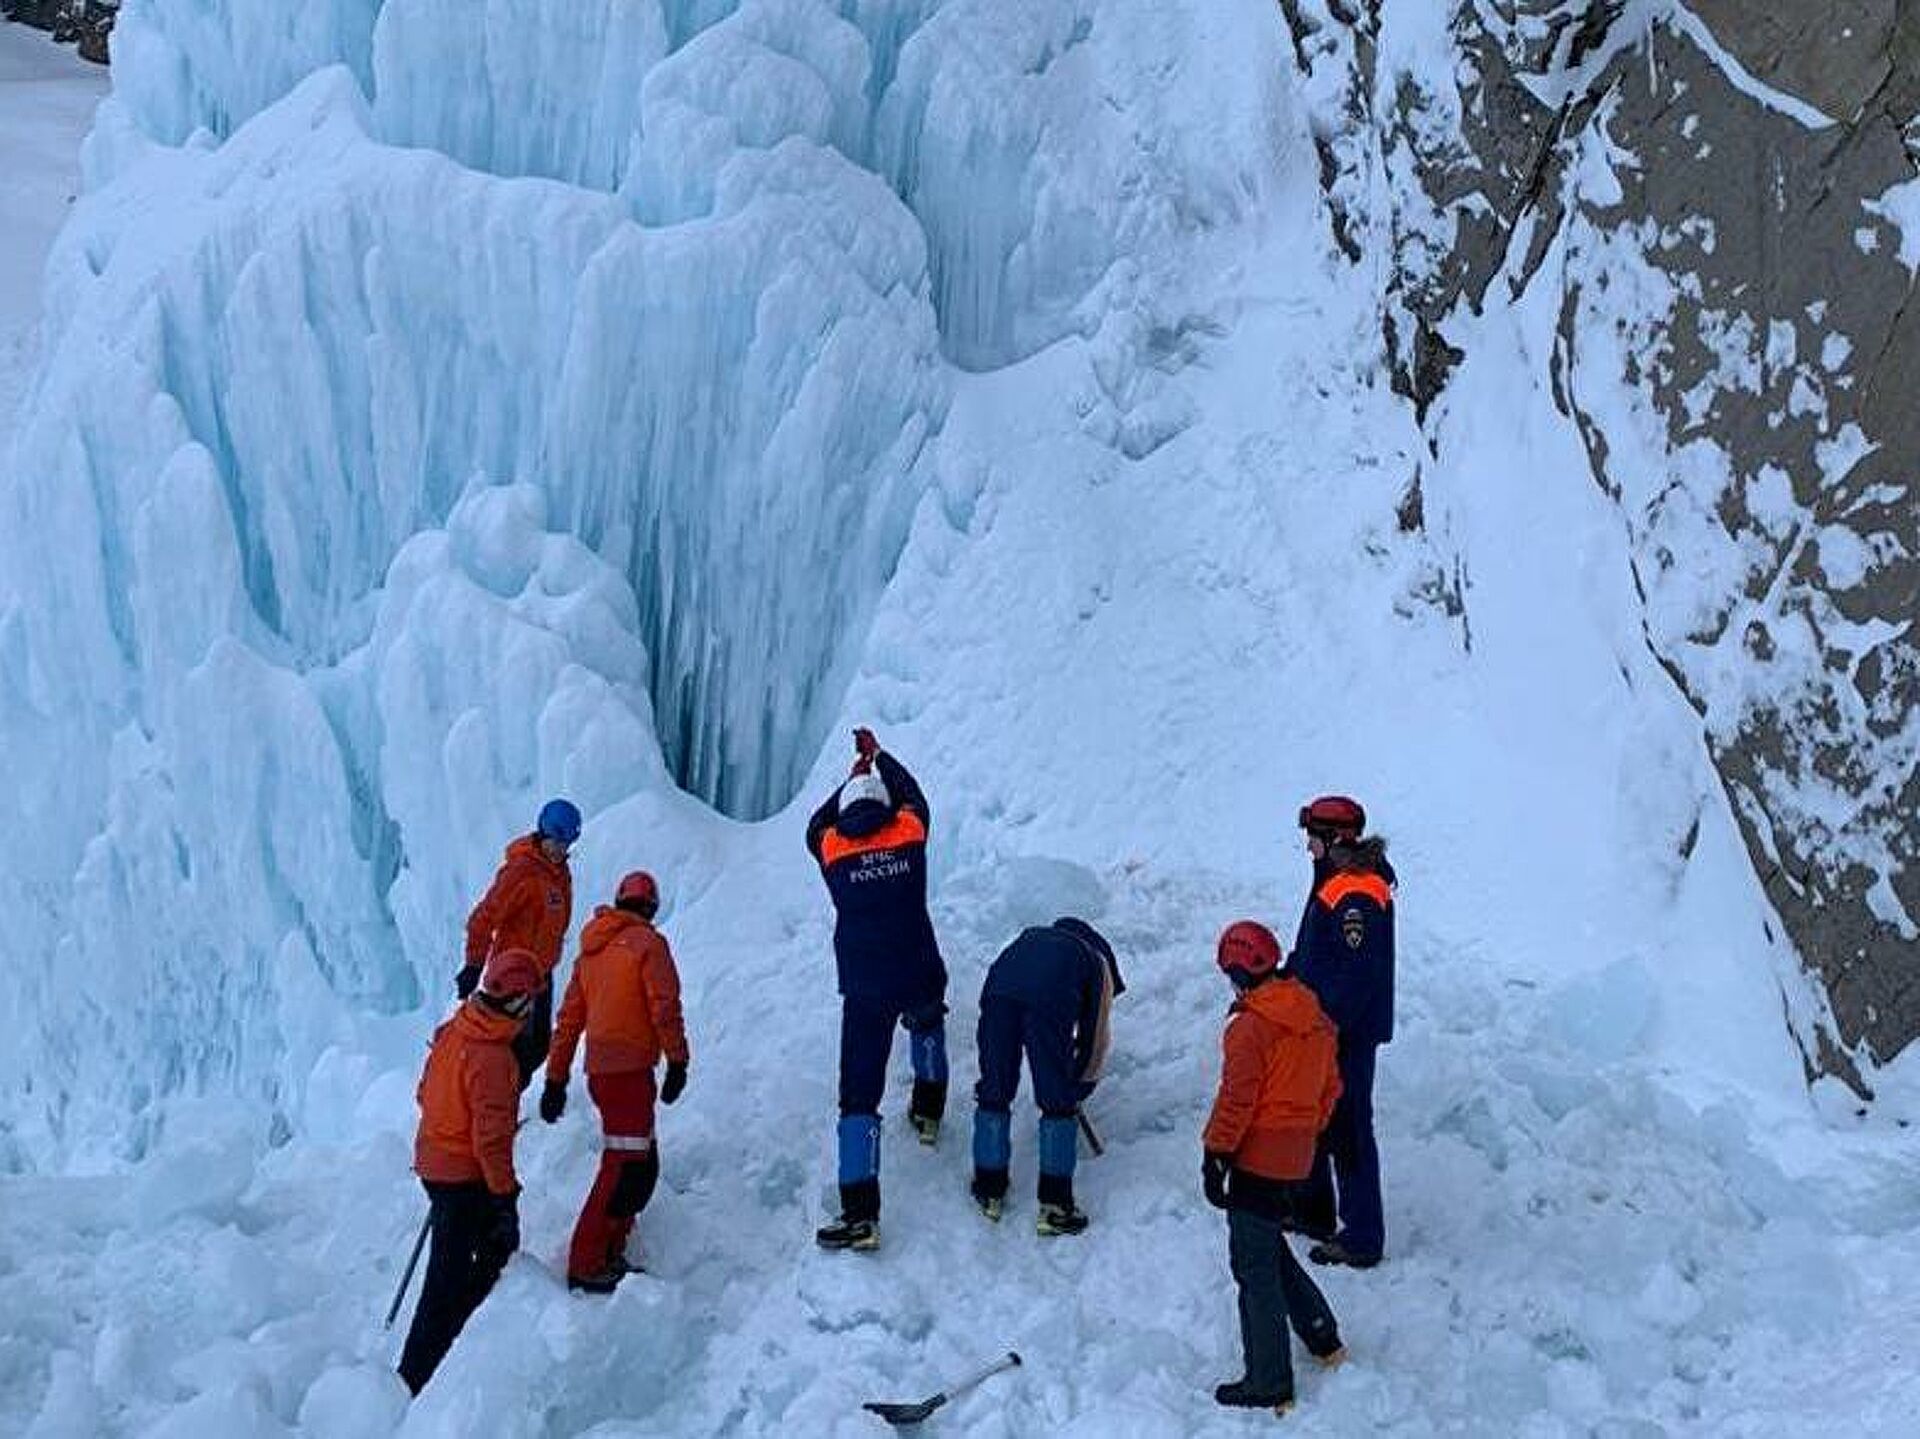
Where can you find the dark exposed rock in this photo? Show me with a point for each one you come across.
(1793, 328)
(86, 23)
(1836, 54)
(1734, 289)
(41, 14)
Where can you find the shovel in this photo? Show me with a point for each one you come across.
(903, 1416)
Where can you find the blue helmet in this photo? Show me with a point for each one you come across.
(559, 819)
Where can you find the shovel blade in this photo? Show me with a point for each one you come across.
(903, 1415)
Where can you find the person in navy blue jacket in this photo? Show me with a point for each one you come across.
(1344, 954)
(1048, 994)
(870, 839)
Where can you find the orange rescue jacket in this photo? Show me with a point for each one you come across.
(624, 996)
(1279, 1079)
(528, 906)
(470, 1101)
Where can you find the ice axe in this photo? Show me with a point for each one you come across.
(406, 1278)
(903, 1416)
(413, 1260)
(1086, 1128)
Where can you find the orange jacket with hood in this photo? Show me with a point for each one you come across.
(1279, 1079)
(470, 1101)
(528, 906)
(624, 996)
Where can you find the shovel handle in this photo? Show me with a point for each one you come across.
(1009, 1360)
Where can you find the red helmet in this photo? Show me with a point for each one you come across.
(638, 889)
(1248, 947)
(512, 974)
(1334, 814)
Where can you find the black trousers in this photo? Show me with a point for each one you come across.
(462, 1265)
(1275, 1294)
(530, 1044)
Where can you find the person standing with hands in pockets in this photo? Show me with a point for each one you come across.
(1344, 954)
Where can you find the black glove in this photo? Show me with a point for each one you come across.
(503, 1233)
(1082, 1090)
(553, 1101)
(467, 980)
(675, 1082)
(1214, 1170)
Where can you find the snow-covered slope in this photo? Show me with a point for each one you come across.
(980, 371)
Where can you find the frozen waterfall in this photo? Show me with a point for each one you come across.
(685, 284)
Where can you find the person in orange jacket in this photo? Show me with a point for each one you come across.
(625, 997)
(528, 906)
(1279, 1081)
(463, 1152)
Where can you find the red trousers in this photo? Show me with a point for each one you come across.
(629, 1168)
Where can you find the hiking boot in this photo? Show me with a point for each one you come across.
(1242, 1395)
(1334, 1252)
(1060, 1219)
(1333, 1358)
(926, 1129)
(846, 1233)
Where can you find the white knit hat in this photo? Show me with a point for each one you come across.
(865, 786)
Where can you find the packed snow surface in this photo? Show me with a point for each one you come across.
(437, 416)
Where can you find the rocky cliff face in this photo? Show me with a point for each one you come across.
(1723, 192)
(86, 23)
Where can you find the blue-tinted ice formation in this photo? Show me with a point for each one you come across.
(450, 404)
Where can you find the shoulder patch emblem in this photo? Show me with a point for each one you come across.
(1353, 928)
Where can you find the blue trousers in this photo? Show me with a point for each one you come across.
(866, 1044)
(1348, 1161)
(1007, 1030)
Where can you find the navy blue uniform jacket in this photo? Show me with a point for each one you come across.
(1053, 974)
(1344, 952)
(875, 864)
